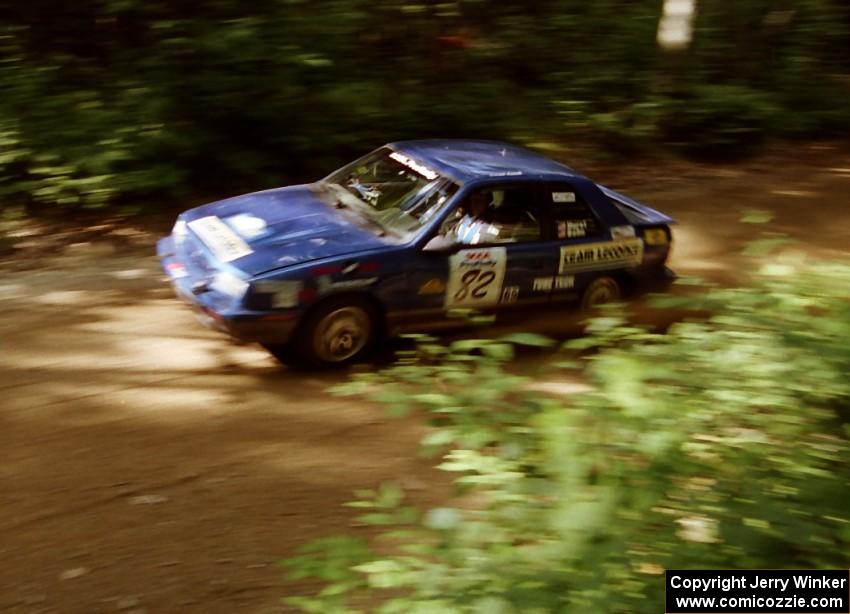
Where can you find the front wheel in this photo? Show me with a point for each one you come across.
(335, 333)
(600, 291)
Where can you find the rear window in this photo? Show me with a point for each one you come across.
(633, 215)
(574, 219)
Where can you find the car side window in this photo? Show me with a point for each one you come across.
(495, 216)
(573, 217)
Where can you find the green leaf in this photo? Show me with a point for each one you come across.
(581, 343)
(442, 518)
(439, 437)
(756, 216)
(529, 339)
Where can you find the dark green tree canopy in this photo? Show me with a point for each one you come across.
(104, 100)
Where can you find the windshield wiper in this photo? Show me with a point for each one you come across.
(379, 230)
(327, 188)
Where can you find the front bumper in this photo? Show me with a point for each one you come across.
(221, 312)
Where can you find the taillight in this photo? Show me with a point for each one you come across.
(656, 236)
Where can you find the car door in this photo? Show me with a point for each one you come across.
(510, 263)
(586, 244)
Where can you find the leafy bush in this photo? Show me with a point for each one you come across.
(722, 443)
(725, 120)
(111, 100)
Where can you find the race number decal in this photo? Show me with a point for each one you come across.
(222, 241)
(475, 277)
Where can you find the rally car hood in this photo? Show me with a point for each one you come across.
(284, 227)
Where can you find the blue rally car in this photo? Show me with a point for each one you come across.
(403, 238)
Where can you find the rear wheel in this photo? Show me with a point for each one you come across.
(600, 291)
(335, 333)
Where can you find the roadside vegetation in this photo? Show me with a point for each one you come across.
(130, 102)
(721, 443)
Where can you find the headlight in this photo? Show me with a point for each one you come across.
(229, 284)
(283, 293)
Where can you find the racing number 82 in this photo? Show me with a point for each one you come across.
(474, 283)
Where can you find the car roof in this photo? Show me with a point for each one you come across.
(468, 160)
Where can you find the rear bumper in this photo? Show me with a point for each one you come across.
(220, 312)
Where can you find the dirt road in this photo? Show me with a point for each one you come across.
(150, 466)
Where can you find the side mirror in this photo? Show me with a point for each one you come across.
(440, 245)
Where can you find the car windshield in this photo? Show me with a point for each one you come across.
(393, 190)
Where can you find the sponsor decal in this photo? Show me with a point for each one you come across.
(622, 232)
(476, 277)
(176, 270)
(572, 230)
(559, 282)
(563, 197)
(563, 282)
(285, 293)
(577, 229)
(432, 286)
(510, 294)
(414, 165)
(542, 284)
(326, 284)
(476, 257)
(602, 255)
(225, 244)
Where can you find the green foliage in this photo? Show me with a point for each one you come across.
(722, 443)
(726, 120)
(115, 99)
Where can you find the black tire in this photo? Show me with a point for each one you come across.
(601, 290)
(283, 352)
(335, 333)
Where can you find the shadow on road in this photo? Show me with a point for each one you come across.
(147, 459)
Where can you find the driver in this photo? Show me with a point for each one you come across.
(369, 193)
(474, 225)
(478, 205)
